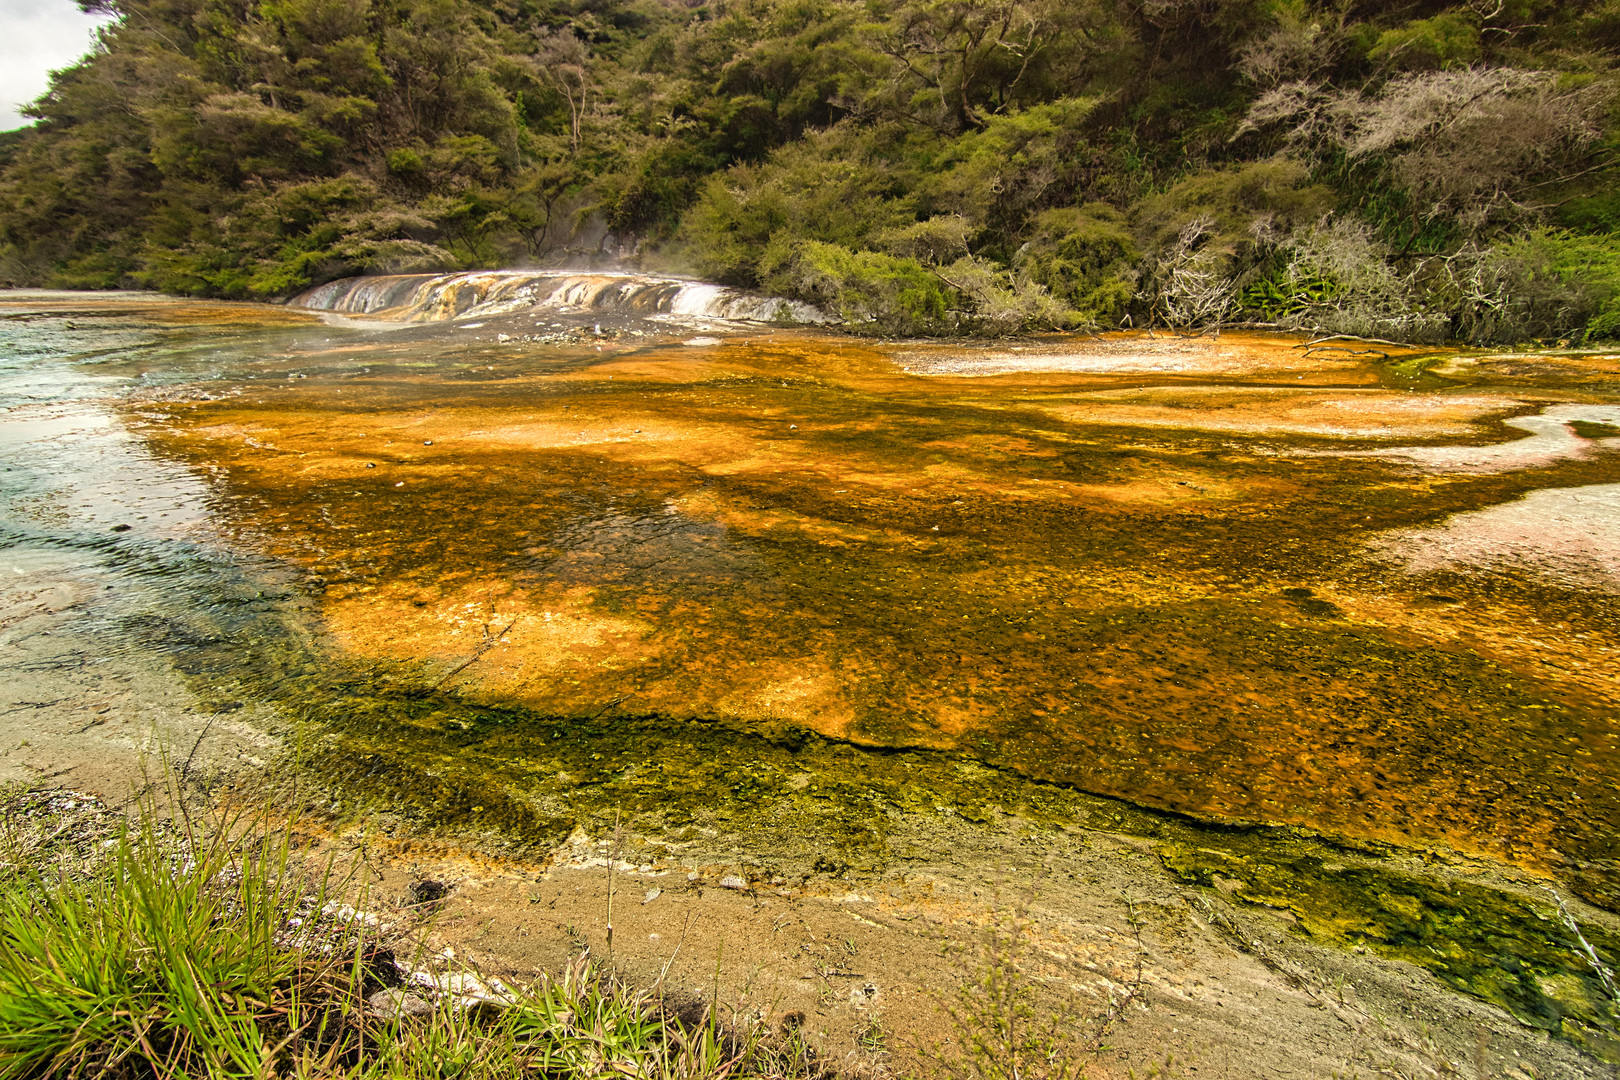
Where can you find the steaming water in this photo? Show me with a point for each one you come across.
(1121, 579)
(513, 585)
(438, 297)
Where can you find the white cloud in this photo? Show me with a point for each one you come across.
(36, 38)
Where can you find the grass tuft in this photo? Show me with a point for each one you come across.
(155, 947)
(157, 950)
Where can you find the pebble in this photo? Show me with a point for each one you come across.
(653, 894)
(733, 881)
(347, 913)
(393, 1003)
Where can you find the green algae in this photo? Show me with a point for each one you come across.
(1587, 429)
(1154, 650)
(1409, 371)
(803, 806)
(1498, 944)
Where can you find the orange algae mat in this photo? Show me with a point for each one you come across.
(1137, 565)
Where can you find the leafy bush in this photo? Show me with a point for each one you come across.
(1084, 257)
(1545, 284)
(1001, 174)
(1449, 40)
(932, 242)
(1206, 236)
(1279, 194)
(884, 293)
(1335, 277)
(830, 188)
(998, 301)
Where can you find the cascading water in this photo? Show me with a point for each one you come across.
(439, 297)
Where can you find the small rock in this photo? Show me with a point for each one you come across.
(793, 427)
(423, 979)
(347, 913)
(469, 992)
(652, 894)
(371, 464)
(122, 528)
(461, 982)
(733, 881)
(427, 442)
(393, 1003)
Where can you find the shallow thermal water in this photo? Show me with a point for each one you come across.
(1571, 535)
(1206, 587)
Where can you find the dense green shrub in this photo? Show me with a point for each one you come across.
(1085, 257)
(868, 289)
(1450, 39)
(1337, 277)
(1545, 284)
(1277, 195)
(831, 187)
(1063, 164)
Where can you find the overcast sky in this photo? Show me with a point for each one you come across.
(36, 38)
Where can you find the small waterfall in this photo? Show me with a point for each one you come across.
(438, 297)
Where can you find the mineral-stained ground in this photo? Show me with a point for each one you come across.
(1312, 638)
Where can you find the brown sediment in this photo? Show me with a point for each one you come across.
(1595, 371)
(1554, 639)
(1236, 356)
(508, 627)
(525, 644)
(1082, 577)
(1370, 413)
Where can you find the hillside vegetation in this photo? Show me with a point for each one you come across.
(1394, 168)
